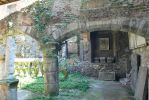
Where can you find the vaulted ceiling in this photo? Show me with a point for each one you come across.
(6, 1)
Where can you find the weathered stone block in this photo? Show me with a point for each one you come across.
(110, 59)
(53, 66)
(107, 76)
(96, 60)
(141, 86)
(52, 89)
(102, 59)
(52, 77)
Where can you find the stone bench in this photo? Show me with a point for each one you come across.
(104, 59)
(110, 59)
(96, 59)
(106, 76)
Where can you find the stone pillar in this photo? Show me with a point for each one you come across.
(81, 48)
(50, 62)
(114, 45)
(148, 82)
(8, 89)
(141, 84)
(65, 50)
(2, 64)
(8, 83)
(134, 71)
(9, 58)
(86, 46)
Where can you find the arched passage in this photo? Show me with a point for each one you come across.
(50, 63)
(137, 26)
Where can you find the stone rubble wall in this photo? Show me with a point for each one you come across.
(62, 6)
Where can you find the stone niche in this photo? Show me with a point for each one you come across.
(102, 46)
(107, 52)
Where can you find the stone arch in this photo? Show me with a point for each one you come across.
(139, 26)
(135, 25)
(24, 25)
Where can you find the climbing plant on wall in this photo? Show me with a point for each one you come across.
(41, 14)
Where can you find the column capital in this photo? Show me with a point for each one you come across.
(50, 50)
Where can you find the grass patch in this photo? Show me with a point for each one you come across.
(75, 81)
(68, 87)
(35, 85)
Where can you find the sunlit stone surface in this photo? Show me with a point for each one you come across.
(9, 58)
(8, 84)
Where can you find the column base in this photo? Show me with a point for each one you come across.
(52, 89)
(51, 84)
(8, 89)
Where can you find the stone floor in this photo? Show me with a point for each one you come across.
(99, 90)
(25, 95)
(107, 90)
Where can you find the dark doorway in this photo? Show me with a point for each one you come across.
(101, 45)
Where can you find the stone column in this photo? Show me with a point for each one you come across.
(2, 64)
(81, 48)
(148, 82)
(114, 45)
(50, 62)
(9, 58)
(141, 84)
(134, 71)
(8, 83)
(65, 50)
(90, 49)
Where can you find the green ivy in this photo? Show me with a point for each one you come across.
(42, 14)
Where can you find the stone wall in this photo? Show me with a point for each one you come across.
(3, 27)
(103, 3)
(138, 74)
(143, 52)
